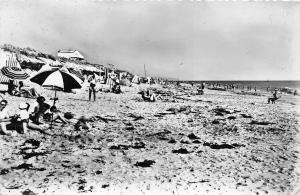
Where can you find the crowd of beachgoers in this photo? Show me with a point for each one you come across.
(169, 138)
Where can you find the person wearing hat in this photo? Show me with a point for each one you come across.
(23, 121)
(23, 117)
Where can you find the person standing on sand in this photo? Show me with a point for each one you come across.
(92, 88)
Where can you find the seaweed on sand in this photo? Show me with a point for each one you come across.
(145, 163)
(223, 145)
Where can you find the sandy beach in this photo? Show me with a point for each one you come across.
(217, 143)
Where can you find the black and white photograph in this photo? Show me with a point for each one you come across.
(149, 97)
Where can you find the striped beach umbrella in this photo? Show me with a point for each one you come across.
(5, 80)
(56, 78)
(76, 73)
(14, 73)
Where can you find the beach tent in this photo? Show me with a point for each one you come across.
(110, 82)
(11, 68)
(9, 60)
(135, 79)
(148, 80)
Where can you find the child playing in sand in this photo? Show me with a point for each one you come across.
(55, 115)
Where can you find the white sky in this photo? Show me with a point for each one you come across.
(185, 40)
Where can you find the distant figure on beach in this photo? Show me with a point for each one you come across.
(200, 90)
(274, 98)
(92, 89)
(116, 88)
(148, 96)
(295, 92)
(202, 86)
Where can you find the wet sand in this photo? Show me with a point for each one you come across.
(217, 143)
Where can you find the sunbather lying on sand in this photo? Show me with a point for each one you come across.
(54, 115)
(79, 121)
(148, 96)
(47, 116)
(23, 92)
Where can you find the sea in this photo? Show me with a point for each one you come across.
(260, 85)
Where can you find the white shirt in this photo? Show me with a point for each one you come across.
(35, 105)
(24, 115)
(4, 113)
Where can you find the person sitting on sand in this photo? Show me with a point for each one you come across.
(44, 114)
(54, 115)
(5, 118)
(274, 98)
(116, 88)
(28, 93)
(23, 122)
(148, 96)
(35, 113)
(11, 87)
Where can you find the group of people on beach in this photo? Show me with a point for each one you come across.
(116, 87)
(33, 117)
(20, 90)
(37, 117)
